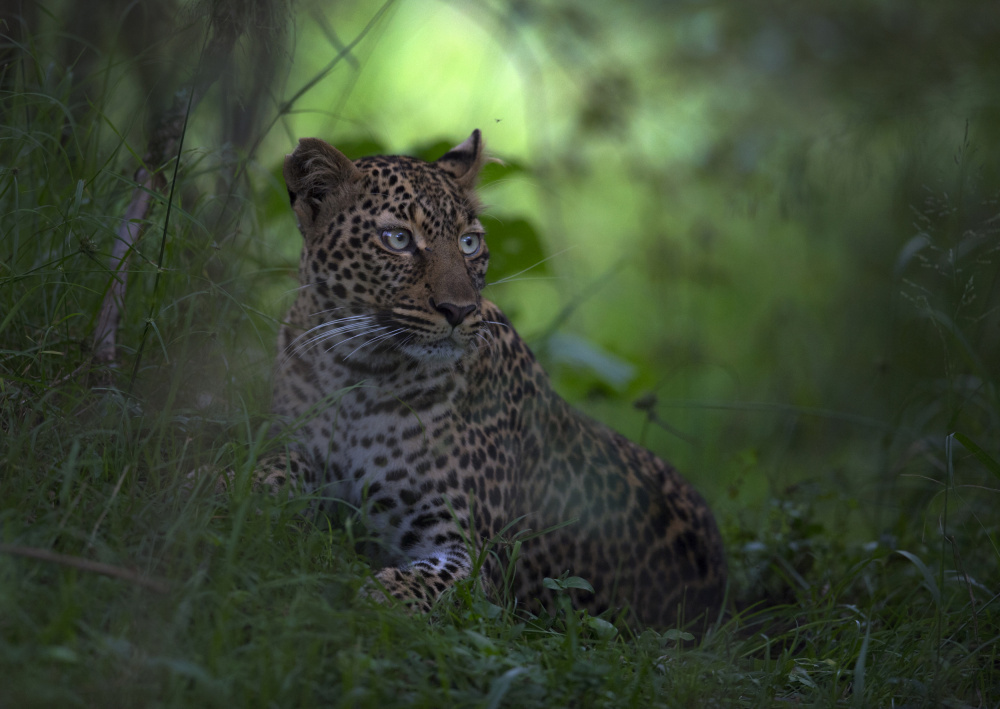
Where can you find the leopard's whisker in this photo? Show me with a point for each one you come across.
(485, 329)
(485, 342)
(494, 322)
(322, 337)
(330, 310)
(375, 340)
(337, 322)
(404, 342)
(491, 343)
(297, 346)
(508, 279)
(369, 331)
(301, 287)
(329, 323)
(526, 278)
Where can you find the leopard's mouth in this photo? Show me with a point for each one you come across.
(449, 347)
(445, 349)
(420, 340)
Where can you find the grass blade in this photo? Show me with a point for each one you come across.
(926, 573)
(982, 456)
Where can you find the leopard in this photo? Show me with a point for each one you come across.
(405, 394)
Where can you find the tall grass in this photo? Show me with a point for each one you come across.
(119, 589)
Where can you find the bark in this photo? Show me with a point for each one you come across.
(163, 145)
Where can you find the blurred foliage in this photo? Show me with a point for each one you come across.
(124, 60)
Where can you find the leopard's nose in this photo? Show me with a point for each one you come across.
(454, 314)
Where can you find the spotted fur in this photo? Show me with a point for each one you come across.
(411, 397)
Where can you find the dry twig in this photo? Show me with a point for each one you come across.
(95, 567)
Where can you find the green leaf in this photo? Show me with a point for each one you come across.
(602, 628)
(677, 635)
(567, 583)
(577, 582)
(859, 668)
(77, 199)
(482, 643)
(578, 352)
(61, 653)
(501, 685)
(801, 675)
(515, 249)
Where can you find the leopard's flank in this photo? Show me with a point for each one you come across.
(412, 398)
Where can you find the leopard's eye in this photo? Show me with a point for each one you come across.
(396, 239)
(470, 243)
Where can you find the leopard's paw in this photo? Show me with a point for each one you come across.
(193, 480)
(394, 585)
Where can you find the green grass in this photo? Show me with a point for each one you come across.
(260, 609)
(244, 601)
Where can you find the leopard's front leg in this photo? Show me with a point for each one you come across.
(426, 570)
(286, 469)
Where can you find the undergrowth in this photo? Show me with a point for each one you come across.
(117, 588)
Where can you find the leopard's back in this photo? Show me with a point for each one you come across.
(640, 533)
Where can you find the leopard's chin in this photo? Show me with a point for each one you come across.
(444, 351)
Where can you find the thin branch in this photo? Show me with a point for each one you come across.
(178, 139)
(129, 231)
(344, 54)
(164, 143)
(94, 567)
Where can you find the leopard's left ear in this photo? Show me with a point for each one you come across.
(464, 161)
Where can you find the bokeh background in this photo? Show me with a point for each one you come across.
(760, 237)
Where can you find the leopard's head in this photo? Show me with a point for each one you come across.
(394, 255)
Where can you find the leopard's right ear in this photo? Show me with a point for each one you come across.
(465, 160)
(316, 173)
